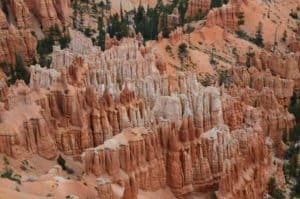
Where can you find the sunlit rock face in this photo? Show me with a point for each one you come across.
(26, 19)
(138, 128)
(131, 121)
(196, 8)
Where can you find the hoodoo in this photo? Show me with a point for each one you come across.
(187, 99)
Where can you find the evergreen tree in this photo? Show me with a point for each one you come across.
(45, 46)
(284, 36)
(21, 72)
(241, 18)
(55, 32)
(64, 41)
(151, 23)
(165, 29)
(108, 4)
(116, 27)
(101, 34)
(62, 162)
(5, 7)
(275, 192)
(140, 19)
(259, 41)
(182, 7)
(182, 52)
(13, 77)
(216, 3)
(159, 6)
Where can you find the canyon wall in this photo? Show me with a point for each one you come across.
(196, 8)
(137, 128)
(25, 18)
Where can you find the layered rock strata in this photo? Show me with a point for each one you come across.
(140, 129)
(226, 16)
(26, 17)
(197, 8)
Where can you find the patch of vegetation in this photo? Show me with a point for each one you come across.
(5, 161)
(148, 21)
(216, 3)
(250, 58)
(117, 26)
(235, 53)
(291, 168)
(225, 78)
(4, 7)
(62, 162)
(294, 14)
(212, 59)
(206, 81)
(19, 71)
(45, 46)
(9, 174)
(273, 190)
(169, 51)
(241, 18)
(284, 36)
(100, 41)
(182, 51)
(257, 40)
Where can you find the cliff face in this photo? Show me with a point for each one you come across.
(50, 12)
(26, 17)
(14, 41)
(135, 124)
(197, 8)
(226, 16)
(21, 14)
(143, 130)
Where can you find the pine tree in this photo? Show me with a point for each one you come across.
(13, 77)
(165, 29)
(259, 41)
(116, 27)
(108, 4)
(139, 19)
(5, 7)
(21, 72)
(182, 7)
(62, 162)
(216, 3)
(101, 34)
(241, 19)
(284, 36)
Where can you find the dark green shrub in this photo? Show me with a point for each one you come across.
(182, 51)
(62, 162)
(273, 191)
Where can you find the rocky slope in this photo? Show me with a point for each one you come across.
(135, 121)
(24, 19)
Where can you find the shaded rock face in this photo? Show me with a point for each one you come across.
(144, 130)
